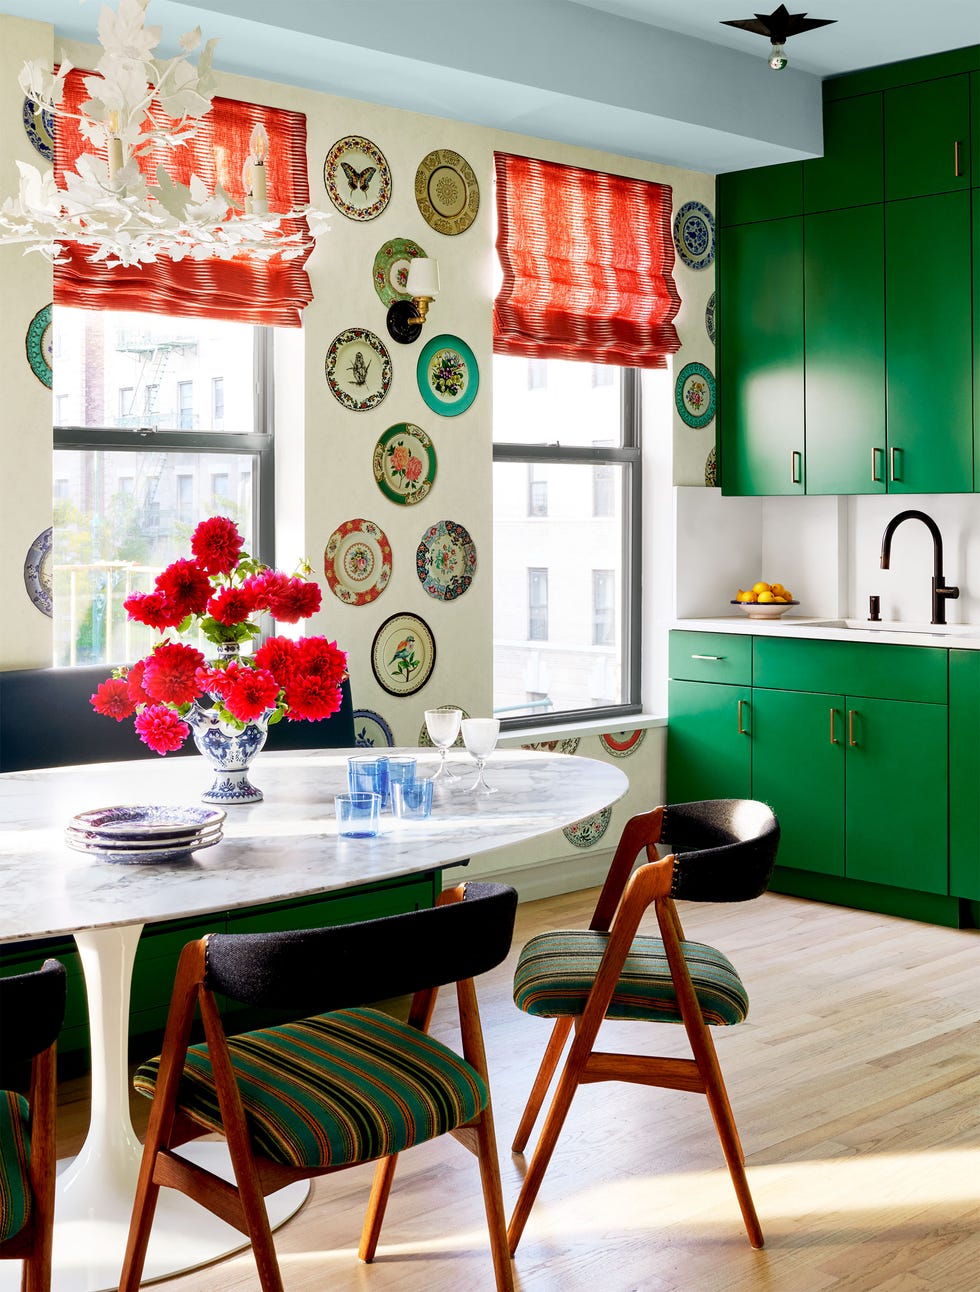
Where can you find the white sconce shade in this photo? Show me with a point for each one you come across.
(423, 277)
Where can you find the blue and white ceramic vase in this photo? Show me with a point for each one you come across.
(229, 752)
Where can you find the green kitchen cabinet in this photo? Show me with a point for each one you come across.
(709, 742)
(929, 352)
(851, 170)
(964, 774)
(760, 359)
(764, 193)
(844, 321)
(927, 138)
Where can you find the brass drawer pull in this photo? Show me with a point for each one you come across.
(712, 657)
(894, 468)
(851, 739)
(833, 733)
(957, 172)
(875, 476)
(741, 729)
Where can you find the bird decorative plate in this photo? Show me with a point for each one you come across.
(357, 562)
(446, 560)
(357, 178)
(38, 575)
(447, 374)
(403, 654)
(404, 463)
(39, 344)
(39, 125)
(446, 191)
(358, 368)
(694, 235)
(694, 394)
(391, 269)
(623, 743)
(371, 731)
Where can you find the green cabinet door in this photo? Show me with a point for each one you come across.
(976, 320)
(896, 806)
(798, 769)
(709, 744)
(760, 358)
(844, 270)
(851, 170)
(927, 137)
(929, 351)
(763, 193)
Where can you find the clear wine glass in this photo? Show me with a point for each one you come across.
(443, 728)
(480, 738)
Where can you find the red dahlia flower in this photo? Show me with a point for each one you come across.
(153, 609)
(317, 656)
(186, 587)
(217, 545)
(170, 673)
(134, 682)
(279, 656)
(232, 605)
(294, 600)
(311, 698)
(111, 699)
(161, 728)
(249, 692)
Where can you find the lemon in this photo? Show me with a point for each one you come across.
(778, 589)
(745, 596)
(765, 598)
(759, 588)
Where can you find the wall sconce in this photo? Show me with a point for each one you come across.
(405, 317)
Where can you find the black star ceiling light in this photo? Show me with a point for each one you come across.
(778, 26)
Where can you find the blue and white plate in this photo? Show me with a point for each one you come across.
(694, 235)
(39, 125)
(371, 731)
(145, 821)
(37, 573)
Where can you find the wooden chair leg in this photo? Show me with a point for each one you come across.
(493, 1201)
(384, 1174)
(144, 1208)
(731, 1145)
(549, 1064)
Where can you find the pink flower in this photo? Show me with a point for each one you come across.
(232, 605)
(186, 587)
(161, 728)
(111, 699)
(217, 545)
(210, 679)
(413, 469)
(249, 692)
(170, 673)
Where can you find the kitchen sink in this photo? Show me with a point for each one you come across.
(893, 626)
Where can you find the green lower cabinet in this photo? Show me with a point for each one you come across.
(798, 769)
(709, 743)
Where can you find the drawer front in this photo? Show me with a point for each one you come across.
(852, 668)
(711, 657)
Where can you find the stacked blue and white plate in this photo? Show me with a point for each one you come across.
(134, 834)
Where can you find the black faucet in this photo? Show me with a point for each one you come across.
(940, 593)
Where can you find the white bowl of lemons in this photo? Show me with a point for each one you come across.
(764, 600)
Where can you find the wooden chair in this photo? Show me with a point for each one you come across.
(349, 1085)
(32, 1009)
(722, 851)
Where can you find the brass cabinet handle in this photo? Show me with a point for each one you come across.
(741, 729)
(851, 713)
(796, 467)
(875, 452)
(833, 733)
(957, 172)
(713, 657)
(894, 463)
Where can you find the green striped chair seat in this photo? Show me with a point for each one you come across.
(349, 1086)
(15, 1153)
(556, 971)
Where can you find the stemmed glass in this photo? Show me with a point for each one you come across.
(443, 728)
(480, 738)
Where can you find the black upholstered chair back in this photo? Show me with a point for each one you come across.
(314, 971)
(725, 849)
(32, 1010)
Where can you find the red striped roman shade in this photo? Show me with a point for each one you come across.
(588, 262)
(273, 292)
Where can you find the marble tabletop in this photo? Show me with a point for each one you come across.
(283, 847)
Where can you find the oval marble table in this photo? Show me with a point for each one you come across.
(283, 847)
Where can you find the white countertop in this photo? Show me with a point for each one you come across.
(947, 636)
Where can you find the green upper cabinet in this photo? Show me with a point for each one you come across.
(975, 133)
(766, 193)
(928, 325)
(927, 138)
(844, 315)
(850, 173)
(760, 358)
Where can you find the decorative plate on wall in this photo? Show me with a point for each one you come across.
(588, 831)
(447, 375)
(623, 743)
(709, 318)
(371, 731)
(694, 394)
(446, 560)
(38, 577)
(404, 463)
(391, 269)
(39, 344)
(446, 191)
(357, 562)
(358, 368)
(694, 235)
(425, 740)
(711, 469)
(39, 125)
(357, 178)
(567, 746)
(403, 654)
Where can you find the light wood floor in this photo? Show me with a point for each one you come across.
(856, 1087)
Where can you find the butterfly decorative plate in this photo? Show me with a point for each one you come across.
(446, 560)
(623, 743)
(358, 368)
(39, 344)
(588, 831)
(371, 731)
(709, 318)
(39, 125)
(391, 269)
(403, 654)
(38, 578)
(357, 178)
(447, 374)
(425, 740)
(404, 463)
(694, 235)
(357, 562)
(694, 394)
(446, 191)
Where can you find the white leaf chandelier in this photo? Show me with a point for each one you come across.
(109, 208)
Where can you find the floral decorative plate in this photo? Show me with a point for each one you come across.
(694, 394)
(425, 740)
(358, 368)
(711, 468)
(446, 191)
(623, 743)
(446, 560)
(694, 235)
(588, 831)
(391, 269)
(357, 562)
(448, 375)
(403, 654)
(404, 463)
(567, 746)
(39, 125)
(38, 575)
(40, 345)
(709, 318)
(357, 178)
(371, 731)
